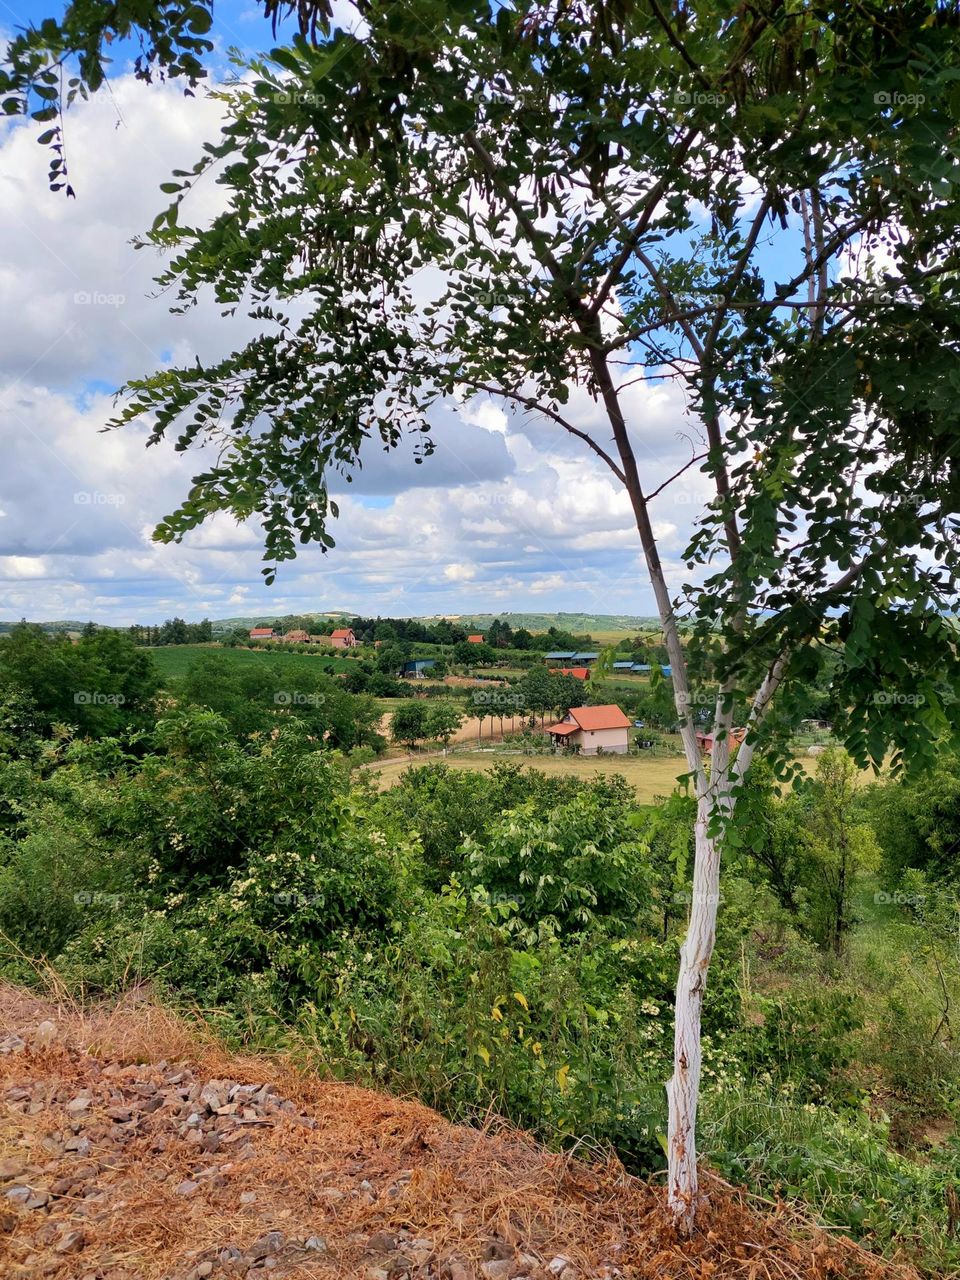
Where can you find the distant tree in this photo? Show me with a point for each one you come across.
(443, 720)
(391, 658)
(408, 724)
(840, 846)
(522, 638)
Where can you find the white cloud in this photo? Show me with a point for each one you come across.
(509, 507)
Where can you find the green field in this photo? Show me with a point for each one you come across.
(174, 660)
(650, 777)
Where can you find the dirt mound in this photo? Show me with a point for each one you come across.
(132, 1148)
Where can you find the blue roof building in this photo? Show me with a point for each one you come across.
(419, 667)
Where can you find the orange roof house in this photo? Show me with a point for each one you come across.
(591, 730)
(474, 639)
(261, 633)
(578, 673)
(705, 740)
(343, 638)
(297, 637)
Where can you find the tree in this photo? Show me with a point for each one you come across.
(443, 719)
(549, 164)
(408, 724)
(537, 691)
(838, 847)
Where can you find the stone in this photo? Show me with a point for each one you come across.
(556, 1266)
(316, 1244)
(381, 1242)
(496, 1268)
(79, 1104)
(186, 1188)
(458, 1271)
(248, 1197)
(19, 1194)
(204, 1269)
(272, 1242)
(71, 1242)
(12, 1044)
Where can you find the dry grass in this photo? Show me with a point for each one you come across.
(457, 1187)
(651, 777)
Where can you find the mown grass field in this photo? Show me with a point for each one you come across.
(650, 776)
(174, 660)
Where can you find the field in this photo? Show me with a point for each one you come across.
(651, 777)
(174, 660)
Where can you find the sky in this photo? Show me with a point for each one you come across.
(509, 514)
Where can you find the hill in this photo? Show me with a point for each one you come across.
(132, 1147)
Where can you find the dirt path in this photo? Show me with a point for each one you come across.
(133, 1148)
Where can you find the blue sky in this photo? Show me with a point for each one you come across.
(507, 515)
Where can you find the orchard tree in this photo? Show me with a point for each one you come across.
(408, 724)
(444, 718)
(758, 202)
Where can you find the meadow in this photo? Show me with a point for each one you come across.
(173, 661)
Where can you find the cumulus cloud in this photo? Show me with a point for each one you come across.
(509, 508)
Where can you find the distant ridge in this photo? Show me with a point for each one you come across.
(578, 623)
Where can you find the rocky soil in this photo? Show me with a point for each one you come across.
(131, 1149)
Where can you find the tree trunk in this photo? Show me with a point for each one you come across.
(683, 1088)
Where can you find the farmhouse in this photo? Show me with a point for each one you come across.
(297, 637)
(261, 633)
(343, 638)
(593, 729)
(474, 639)
(705, 740)
(578, 673)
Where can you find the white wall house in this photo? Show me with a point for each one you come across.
(593, 729)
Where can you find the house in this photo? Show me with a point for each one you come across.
(296, 637)
(261, 633)
(418, 668)
(343, 638)
(474, 639)
(593, 729)
(578, 673)
(705, 740)
(583, 659)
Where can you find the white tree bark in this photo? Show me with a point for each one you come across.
(683, 1088)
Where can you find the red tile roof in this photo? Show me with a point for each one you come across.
(606, 717)
(578, 673)
(474, 639)
(342, 633)
(261, 631)
(563, 728)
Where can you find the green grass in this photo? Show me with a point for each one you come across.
(651, 777)
(174, 660)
